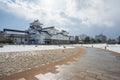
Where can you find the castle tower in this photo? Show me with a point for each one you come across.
(36, 24)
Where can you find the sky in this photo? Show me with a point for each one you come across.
(90, 17)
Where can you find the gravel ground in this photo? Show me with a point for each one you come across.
(14, 62)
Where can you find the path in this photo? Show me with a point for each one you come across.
(95, 65)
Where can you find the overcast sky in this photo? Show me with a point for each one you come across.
(89, 17)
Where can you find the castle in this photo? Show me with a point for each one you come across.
(36, 34)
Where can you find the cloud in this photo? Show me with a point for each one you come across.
(66, 13)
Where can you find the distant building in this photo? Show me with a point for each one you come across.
(72, 39)
(82, 36)
(101, 38)
(36, 34)
(2, 38)
(119, 39)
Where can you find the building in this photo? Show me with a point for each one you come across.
(16, 36)
(2, 38)
(118, 39)
(75, 40)
(101, 38)
(36, 34)
(48, 35)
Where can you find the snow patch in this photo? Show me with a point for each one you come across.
(19, 48)
(115, 48)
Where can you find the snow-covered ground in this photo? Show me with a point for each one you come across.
(115, 48)
(18, 48)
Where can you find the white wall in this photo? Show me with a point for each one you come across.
(60, 37)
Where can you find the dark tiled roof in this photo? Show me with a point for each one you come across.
(47, 33)
(15, 30)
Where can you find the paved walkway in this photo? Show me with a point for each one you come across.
(95, 65)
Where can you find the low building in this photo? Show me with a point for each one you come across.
(16, 36)
(2, 38)
(72, 39)
(118, 39)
